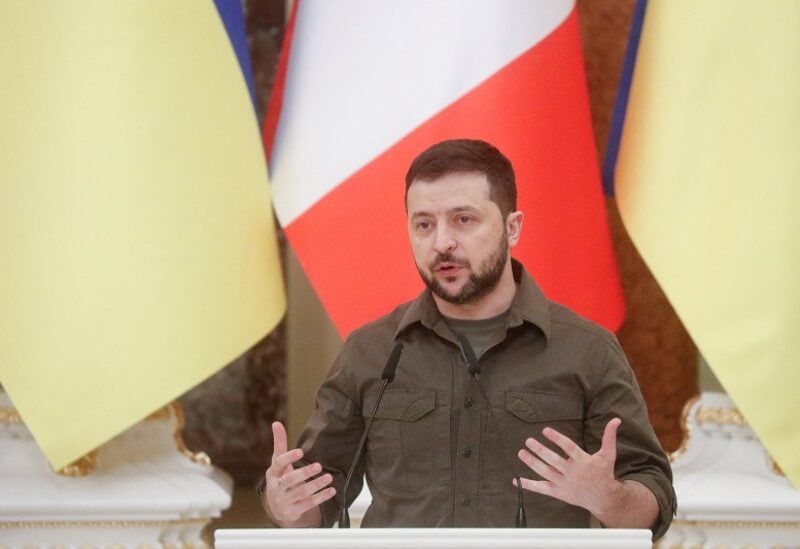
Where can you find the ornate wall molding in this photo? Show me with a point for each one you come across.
(141, 489)
(9, 416)
(729, 492)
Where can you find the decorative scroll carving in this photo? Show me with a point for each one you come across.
(728, 490)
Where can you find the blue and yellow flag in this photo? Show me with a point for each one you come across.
(137, 240)
(708, 186)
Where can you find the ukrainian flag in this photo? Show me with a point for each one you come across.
(708, 186)
(137, 241)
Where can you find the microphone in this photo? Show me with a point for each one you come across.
(386, 378)
(474, 370)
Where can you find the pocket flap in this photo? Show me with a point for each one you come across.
(401, 404)
(533, 406)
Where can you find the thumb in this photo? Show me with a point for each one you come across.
(609, 445)
(279, 439)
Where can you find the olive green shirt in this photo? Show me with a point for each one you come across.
(479, 333)
(546, 367)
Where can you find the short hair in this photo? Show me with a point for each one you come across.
(468, 156)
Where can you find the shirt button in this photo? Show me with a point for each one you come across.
(466, 452)
(467, 402)
(465, 501)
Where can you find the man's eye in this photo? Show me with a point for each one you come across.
(423, 225)
(464, 219)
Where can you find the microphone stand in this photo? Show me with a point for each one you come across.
(386, 378)
(474, 369)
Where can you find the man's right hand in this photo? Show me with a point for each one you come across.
(291, 496)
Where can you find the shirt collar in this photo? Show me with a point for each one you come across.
(529, 305)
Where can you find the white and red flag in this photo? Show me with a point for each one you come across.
(365, 86)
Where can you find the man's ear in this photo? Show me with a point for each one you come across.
(514, 227)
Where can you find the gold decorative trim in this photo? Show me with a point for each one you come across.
(86, 465)
(81, 467)
(721, 416)
(162, 414)
(686, 429)
(29, 524)
(197, 457)
(9, 416)
(174, 411)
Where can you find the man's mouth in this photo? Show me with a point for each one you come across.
(447, 268)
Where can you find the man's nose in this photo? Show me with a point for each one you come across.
(444, 240)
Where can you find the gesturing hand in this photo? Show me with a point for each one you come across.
(291, 498)
(582, 479)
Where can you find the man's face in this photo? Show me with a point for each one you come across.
(458, 236)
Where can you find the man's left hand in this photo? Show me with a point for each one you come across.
(582, 479)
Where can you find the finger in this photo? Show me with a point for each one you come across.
(321, 497)
(609, 444)
(297, 508)
(279, 439)
(546, 454)
(299, 476)
(539, 467)
(572, 450)
(282, 462)
(311, 487)
(538, 486)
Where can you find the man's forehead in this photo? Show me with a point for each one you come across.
(474, 176)
(457, 183)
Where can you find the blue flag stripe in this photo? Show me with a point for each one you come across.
(621, 105)
(230, 11)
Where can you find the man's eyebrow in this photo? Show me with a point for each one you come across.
(460, 209)
(451, 211)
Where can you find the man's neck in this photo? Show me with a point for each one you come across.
(494, 303)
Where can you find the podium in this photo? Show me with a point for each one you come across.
(434, 538)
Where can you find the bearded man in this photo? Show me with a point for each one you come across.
(560, 386)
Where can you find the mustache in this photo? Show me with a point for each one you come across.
(448, 258)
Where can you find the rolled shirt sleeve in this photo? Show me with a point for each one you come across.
(639, 454)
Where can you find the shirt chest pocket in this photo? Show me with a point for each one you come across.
(404, 427)
(529, 412)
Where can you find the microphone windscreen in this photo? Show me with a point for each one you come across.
(391, 364)
(469, 354)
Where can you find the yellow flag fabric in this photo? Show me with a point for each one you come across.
(137, 237)
(708, 186)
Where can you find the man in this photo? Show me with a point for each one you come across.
(562, 390)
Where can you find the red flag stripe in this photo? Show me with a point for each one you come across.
(276, 98)
(353, 244)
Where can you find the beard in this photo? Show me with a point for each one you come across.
(480, 283)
